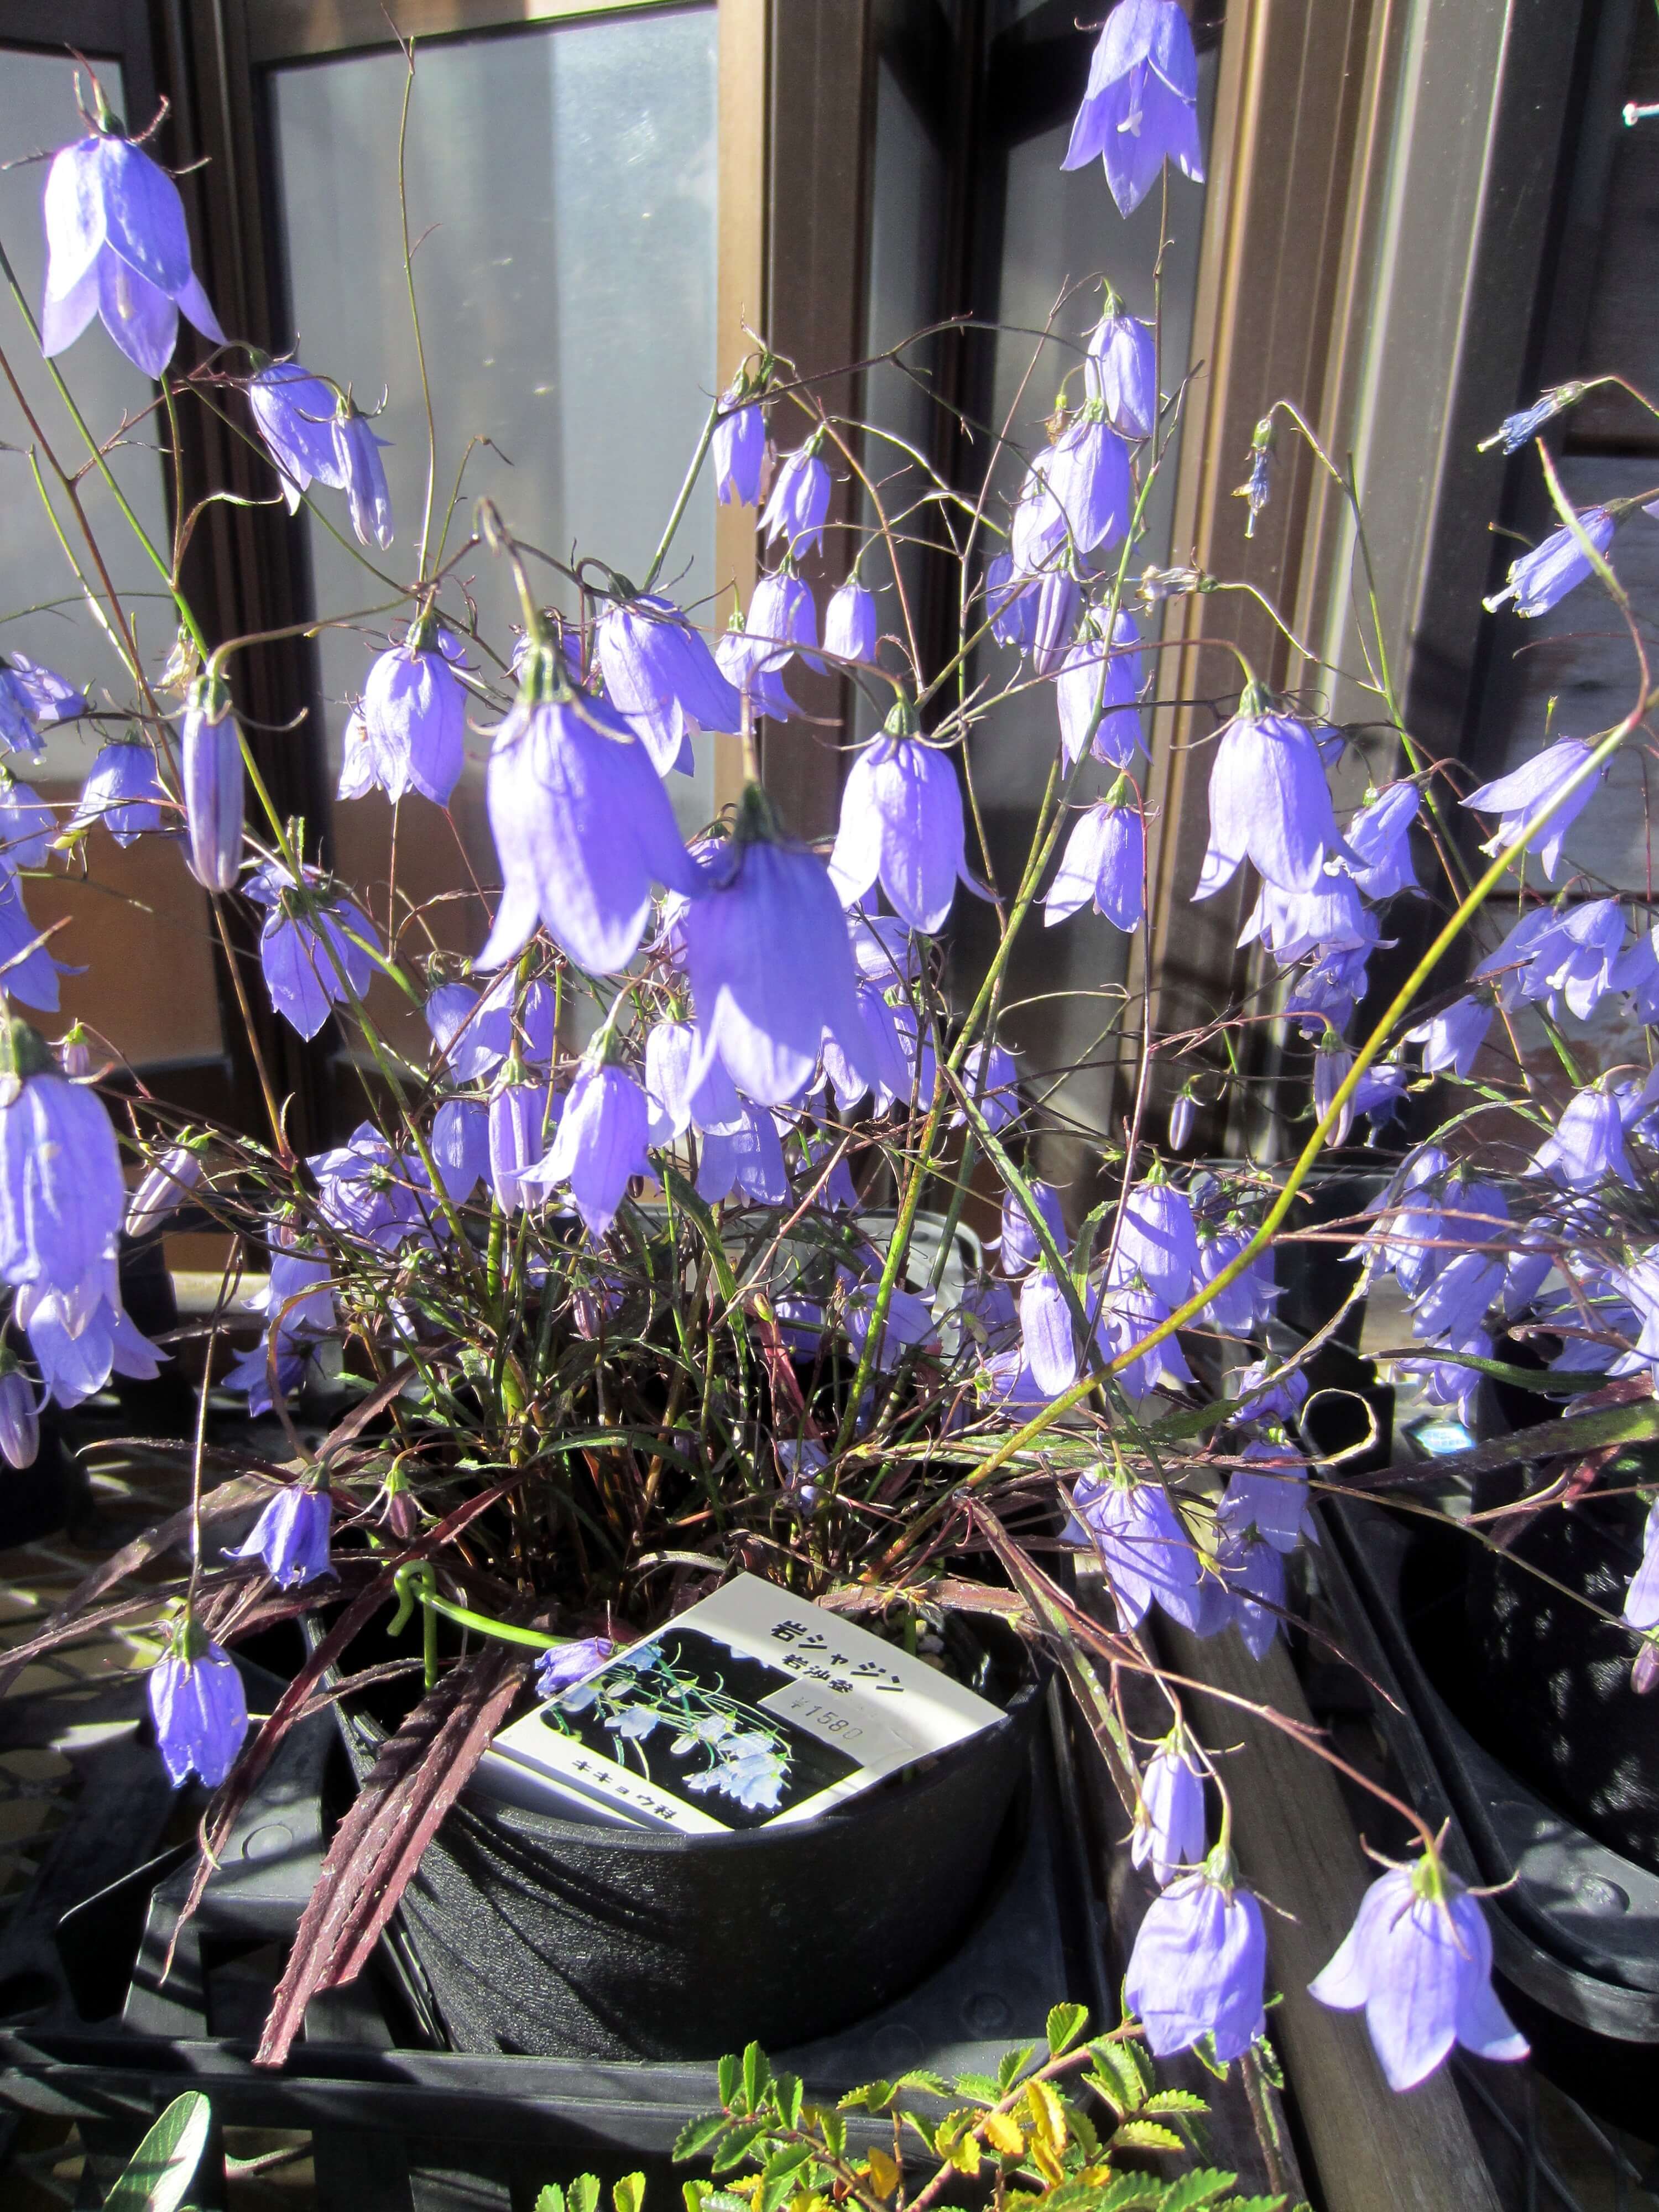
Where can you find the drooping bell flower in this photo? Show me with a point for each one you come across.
(1077, 496)
(1520, 429)
(901, 822)
(1269, 1499)
(1520, 798)
(1058, 597)
(1047, 1337)
(1269, 801)
(30, 697)
(28, 828)
(357, 457)
(887, 1057)
(1141, 105)
(738, 448)
(1589, 1143)
(800, 503)
(367, 1191)
(460, 1146)
(518, 1122)
(747, 663)
(1121, 370)
(907, 1327)
(73, 1366)
(1418, 1959)
(124, 791)
(1332, 1061)
(1379, 835)
(990, 1076)
(711, 1106)
(1169, 1830)
(116, 246)
(1247, 1302)
(1156, 1238)
(1326, 994)
(1096, 694)
(166, 1187)
(570, 1663)
(1199, 1964)
(1636, 973)
(213, 785)
(198, 1704)
(473, 1033)
(1010, 603)
(1451, 1039)
(918, 1056)
(62, 1199)
(851, 624)
(298, 1303)
(1018, 1246)
(19, 1415)
(1541, 579)
(294, 412)
(1145, 1552)
(1329, 919)
(599, 1143)
(291, 1536)
(313, 947)
(1575, 959)
(414, 716)
(661, 673)
(356, 761)
(1508, 970)
(1266, 1390)
(783, 620)
(1182, 1115)
(582, 825)
(746, 1155)
(1104, 864)
(770, 966)
(1641, 1606)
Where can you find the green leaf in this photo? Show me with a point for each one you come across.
(1174, 2100)
(1202, 2187)
(1066, 2023)
(756, 2077)
(1252, 2204)
(1010, 2066)
(874, 2096)
(628, 2194)
(1081, 2131)
(833, 2128)
(932, 2085)
(696, 2135)
(583, 2194)
(733, 2145)
(1147, 2134)
(786, 2095)
(780, 2174)
(730, 2075)
(1131, 2192)
(988, 2091)
(158, 2175)
(1122, 2076)
(696, 2193)
(550, 2197)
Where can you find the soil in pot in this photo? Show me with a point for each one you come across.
(555, 1938)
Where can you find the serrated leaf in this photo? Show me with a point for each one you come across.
(730, 2073)
(756, 2077)
(1081, 2129)
(933, 2085)
(1121, 2075)
(884, 2172)
(1066, 2023)
(964, 2155)
(786, 2095)
(874, 2096)
(1147, 2134)
(1268, 2058)
(1174, 2100)
(1004, 2134)
(1201, 2187)
(696, 2193)
(1010, 2066)
(583, 2194)
(982, 2086)
(1048, 2119)
(734, 2144)
(1252, 2204)
(1131, 2192)
(696, 2135)
(831, 2126)
(628, 2194)
(158, 2175)
(550, 2197)
(779, 2176)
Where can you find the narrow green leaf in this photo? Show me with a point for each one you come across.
(983, 2086)
(932, 2085)
(1118, 2076)
(786, 2095)
(157, 2176)
(756, 2077)
(780, 2175)
(583, 2194)
(1202, 2187)
(734, 2144)
(1174, 2100)
(1011, 2065)
(874, 2096)
(1147, 2134)
(832, 2126)
(1131, 2192)
(1253, 2204)
(628, 2194)
(730, 2073)
(696, 2135)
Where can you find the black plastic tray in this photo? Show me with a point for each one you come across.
(89, 2030)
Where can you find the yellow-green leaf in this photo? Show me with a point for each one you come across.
(1004, 2134)
(1066, 2023)
(1145, 2135)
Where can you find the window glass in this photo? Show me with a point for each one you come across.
(156, 1003)
(562, 188)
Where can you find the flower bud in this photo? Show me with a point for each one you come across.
(213, 784)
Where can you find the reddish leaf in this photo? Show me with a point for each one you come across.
(375, 1850)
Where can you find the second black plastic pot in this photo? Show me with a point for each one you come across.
(555, 1938)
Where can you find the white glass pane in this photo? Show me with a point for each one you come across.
(562, 184)
(138, 926)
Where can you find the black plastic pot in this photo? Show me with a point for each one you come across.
(555, 1938)
(1575, 1924)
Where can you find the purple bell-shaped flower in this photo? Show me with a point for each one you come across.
(1141, 105)
(213, 785)
(1198, 1964)
(415, 717)
(124, 791)
(599, 1144)
(661, 674)
(197, 1705)
(901, 822)
(1104, 863)
(294, 412)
